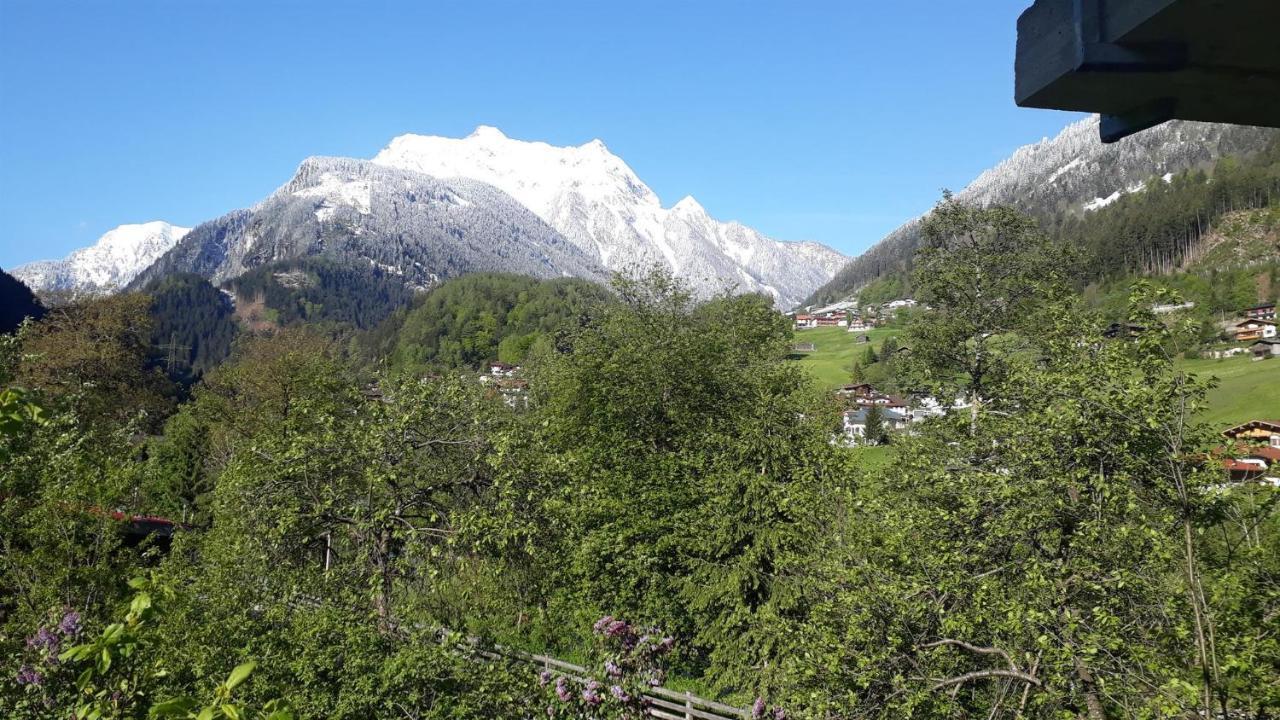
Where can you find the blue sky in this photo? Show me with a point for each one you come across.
(829, 121)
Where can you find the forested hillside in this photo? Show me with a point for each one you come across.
(1135, 224)
(192, 325)
(480, 318)
(321, 292)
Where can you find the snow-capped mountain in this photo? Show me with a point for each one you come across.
(107, 265)
(599, 204)
(1072, 172)
(418, 227)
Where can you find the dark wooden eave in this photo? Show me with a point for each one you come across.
(1142, 62)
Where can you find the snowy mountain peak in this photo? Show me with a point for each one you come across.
(487, 131)
(688, 206)
(107, 265)
(599, 204)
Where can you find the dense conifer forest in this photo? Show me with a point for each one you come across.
(17, 303)
(322, 292)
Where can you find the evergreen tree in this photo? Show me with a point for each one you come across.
(17, 303)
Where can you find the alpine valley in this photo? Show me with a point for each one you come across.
(429, 208)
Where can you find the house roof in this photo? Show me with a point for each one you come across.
(1266, 452)
(1269, 425)
(1239, 466)
(1143, 62)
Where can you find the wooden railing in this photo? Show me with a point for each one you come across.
(663, 703)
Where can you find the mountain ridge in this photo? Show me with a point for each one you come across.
(112, 262)
(409, 224)
(1072, 173)
(597, 202)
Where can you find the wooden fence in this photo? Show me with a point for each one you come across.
(663, 703)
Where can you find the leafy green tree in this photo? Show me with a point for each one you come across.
(678, 465)
(983, 272)
(93, 358)
(475, 319)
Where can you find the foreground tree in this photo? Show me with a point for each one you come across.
(674, 470)
(984, 272)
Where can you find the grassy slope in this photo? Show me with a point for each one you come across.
(1246, 389)
(835, 350)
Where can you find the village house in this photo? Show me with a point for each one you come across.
(501, 369)
(1255, 453)
(858, 323)
(865, 395)
(1250, 330)
(1261, 312)
(1263, 349)
(1226, 353)
(856, 389)
(855, 422)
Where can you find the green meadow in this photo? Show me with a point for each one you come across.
(1244, 389)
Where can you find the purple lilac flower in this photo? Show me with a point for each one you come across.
(620, 694)
(611, 668)
(591, 694)
(562, 690)
(602, 623)
(70, 624)
(544, 677)
(758, 709)
(665, 645)
(779, 714)
(45, 640)
(28, 675)
(617, 628)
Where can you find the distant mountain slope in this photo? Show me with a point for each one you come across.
(107, 265)
(192, 325)
(468, 321)
(596, 201)
(319, 291)
(17, 303)
(1070, 174)
(417, 227)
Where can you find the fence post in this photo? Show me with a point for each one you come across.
(688, 705)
